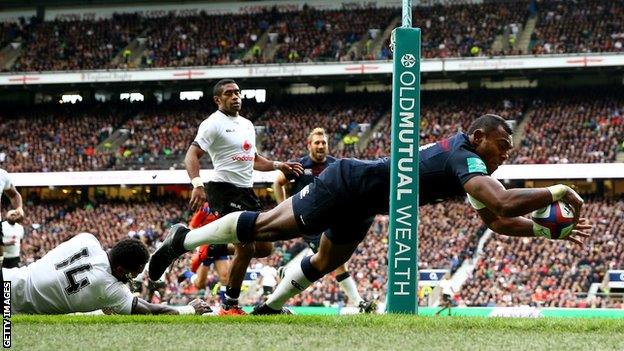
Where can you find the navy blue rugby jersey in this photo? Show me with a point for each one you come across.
(311, 169)
(445, 166)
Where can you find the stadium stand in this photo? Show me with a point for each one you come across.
(311, 35)
(156, 136)
(72, 45)
(592, 132)
(53, 137)
(585, 26)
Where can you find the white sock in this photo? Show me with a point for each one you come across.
(193, 279)
(350, 288)
(221, 231)
(286, 289)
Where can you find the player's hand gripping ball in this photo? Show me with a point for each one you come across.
(554, 221)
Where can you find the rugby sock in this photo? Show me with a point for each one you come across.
(221, 231)
(231, 297)
(296, 279)
(347, 284)
(193, 279)
(232, 293)
(221, 294)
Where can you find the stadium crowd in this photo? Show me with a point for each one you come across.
(156, 136)
(468, 30)
(443, 115)
(327, 35)
(57, 138)
(288, 124)
(578, 26)
(174, 41)
(309, 35)
(592, 131)
(78, 44)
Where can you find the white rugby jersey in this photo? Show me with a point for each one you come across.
(231, 144)
(5, 181)
(12, 232)
(73, 277)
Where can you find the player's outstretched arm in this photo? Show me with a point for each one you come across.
(489, 192)
(520, 226)
(196, 306)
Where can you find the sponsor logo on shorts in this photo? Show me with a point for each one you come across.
(234, 205)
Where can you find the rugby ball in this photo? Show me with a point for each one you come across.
(554, 221)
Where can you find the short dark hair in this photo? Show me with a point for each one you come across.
(129, 253)
(218, 88)
(488, 123)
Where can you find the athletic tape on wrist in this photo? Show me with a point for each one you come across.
(197, 182)
(557, 191)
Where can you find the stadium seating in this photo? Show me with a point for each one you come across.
(54, 138)
(288, 124)
(587, 26)
(444, 114)
(327, 35)
(72, 45)
(156, 136)
(572, 127)
(310, 35)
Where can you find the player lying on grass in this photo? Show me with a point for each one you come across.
(346, 196)
(79, 276)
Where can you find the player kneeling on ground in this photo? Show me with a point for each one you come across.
(79, 276)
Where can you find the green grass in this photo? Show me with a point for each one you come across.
(358, 332)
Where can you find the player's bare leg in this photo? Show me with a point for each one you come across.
(243, 255)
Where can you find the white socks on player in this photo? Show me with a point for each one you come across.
(221, 231)
(350, 288)
(293, 283)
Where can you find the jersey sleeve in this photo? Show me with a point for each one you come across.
(5, 179)
(465, 165)
(206, 134)
(119, 298)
